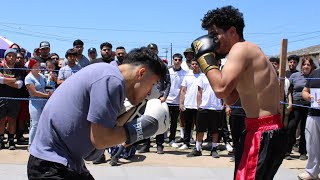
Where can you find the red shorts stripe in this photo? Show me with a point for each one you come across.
(255, 127)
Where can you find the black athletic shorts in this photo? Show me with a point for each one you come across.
(208, 120)
(9, 108)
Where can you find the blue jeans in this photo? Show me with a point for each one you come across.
(35, 110)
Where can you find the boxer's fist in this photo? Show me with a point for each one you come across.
(154, 121)
(204, 48)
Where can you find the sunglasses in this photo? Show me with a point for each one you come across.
(177, 59)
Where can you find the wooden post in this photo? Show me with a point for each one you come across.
(282, 71)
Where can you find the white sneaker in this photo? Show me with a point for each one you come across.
(154, 146)
(229, 147)
(183, 147)
(306, 176)
(173, 144)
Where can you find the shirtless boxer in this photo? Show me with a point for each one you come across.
(247, 75)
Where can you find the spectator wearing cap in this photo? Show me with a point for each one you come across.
(36, 52)
(106, 53)
(189, 55)
(293, 61)
(71, 67)
(10, 81)
(92, 53)
(153, 47)
(120, 54)
(44, 49)
(81, 59)
(35, 83)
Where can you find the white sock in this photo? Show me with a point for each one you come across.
(198, 145)
(214, 145)
(182, 132)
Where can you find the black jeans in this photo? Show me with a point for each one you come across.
(174, 112)
(298, 114)
(237, 126)
(190, 116)
(42, 169)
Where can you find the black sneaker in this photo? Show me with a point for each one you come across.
(22, 141)
(2, 145)
(160, 149)
(144, 149)
(101, 159)
(114, 161)
(214, 153)
(303, 157)
(180, 140)
(288, 157)
(194, 153)
(12, 145)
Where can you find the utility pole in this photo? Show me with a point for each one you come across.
(166, 51)
(171, 52)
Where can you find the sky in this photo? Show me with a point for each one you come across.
(137, 23)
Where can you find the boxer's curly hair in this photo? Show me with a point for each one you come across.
(145, 56)
(224, 18)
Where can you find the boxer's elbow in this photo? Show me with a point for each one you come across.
(221, 92)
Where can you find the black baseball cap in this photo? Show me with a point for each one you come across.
(152, 46)
(92, 49)
(44, 44)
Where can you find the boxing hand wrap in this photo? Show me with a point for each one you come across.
(154, 121)
(204, 48)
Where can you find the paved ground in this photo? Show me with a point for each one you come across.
(171, 165)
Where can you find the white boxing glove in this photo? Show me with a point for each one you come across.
(154, 121)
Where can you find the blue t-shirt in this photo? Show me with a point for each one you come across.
(67, 71)
(39, 86)
(94, 94)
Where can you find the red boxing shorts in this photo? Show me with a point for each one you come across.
(261, 150)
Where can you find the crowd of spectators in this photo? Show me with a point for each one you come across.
(26, 84)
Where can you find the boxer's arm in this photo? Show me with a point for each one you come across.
(232, 98)
(102, 137)
(154, 121)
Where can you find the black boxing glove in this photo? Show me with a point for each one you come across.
(204, 48)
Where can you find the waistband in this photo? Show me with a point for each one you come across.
(264, 123)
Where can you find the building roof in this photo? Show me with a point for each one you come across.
(312, 50)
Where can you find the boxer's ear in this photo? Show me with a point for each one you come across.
(141, 72)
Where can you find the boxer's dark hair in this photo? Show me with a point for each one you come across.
(224, 18)
(145, 56)
(294, 57)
